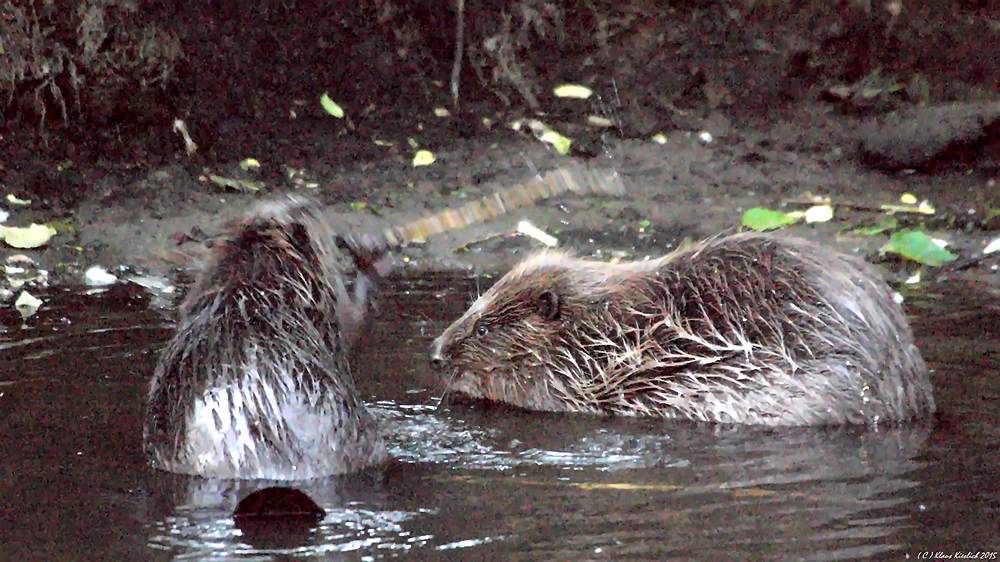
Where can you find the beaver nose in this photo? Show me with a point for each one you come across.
(437, 354)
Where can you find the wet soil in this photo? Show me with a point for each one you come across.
(767, 84)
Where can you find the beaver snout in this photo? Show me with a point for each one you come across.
(438, 359)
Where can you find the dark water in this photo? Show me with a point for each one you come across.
(469, 482)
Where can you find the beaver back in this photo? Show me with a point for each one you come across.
(255, 382)
(749, 328)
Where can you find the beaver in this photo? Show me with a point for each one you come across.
(747, 329)
(255, 382)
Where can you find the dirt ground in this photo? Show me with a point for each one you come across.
(860, 107)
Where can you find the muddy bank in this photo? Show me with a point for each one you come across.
(818, 100)
(685, 187)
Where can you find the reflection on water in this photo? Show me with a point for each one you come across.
(632, 481)
(488, 482)
(197, 523)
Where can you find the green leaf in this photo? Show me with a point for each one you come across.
(819, 213)
(30, 237)
(423, 158)
(917, 246)
(572, 91)
(559, 142)
(765, 219)
(331, 107)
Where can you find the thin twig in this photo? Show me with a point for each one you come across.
(459, 44)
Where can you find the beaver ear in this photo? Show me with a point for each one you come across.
(548, 305)
(299, 237)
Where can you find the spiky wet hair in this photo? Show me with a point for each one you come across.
(255, 382)
(748, 328)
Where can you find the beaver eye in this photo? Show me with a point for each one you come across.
(549, 305)
(481, 329)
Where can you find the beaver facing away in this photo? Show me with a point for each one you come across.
(255, 382)
(749, 328)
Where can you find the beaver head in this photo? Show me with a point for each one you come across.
(532, 340)
(283, 248)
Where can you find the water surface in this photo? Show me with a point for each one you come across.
(473, 482)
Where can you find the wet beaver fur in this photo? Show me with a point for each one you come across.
(750, 328)
(255, 383)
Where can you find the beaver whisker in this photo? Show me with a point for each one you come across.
(444, 385)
